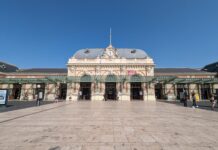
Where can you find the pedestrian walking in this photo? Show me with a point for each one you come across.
(213, 101)
(194, 105)
(185, 98)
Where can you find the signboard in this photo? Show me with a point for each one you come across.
(131, 72)
(3, 97)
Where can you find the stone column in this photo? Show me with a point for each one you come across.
(119, 92)
(27, 92)
(151, 93)
(30, 91)
(50, 92)
(128, 91)
(145, 91)
(169, 92)
(103, 88)
(97, 91)
(71, 89)
(199, 90)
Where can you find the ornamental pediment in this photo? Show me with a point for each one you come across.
(110, 52)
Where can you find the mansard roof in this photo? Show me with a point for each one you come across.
(92, 53)
(5, 67)
(43, 70)
(213, 67)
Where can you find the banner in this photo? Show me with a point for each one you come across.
(131, 72)
(3, 97)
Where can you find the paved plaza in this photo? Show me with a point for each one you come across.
(110, 125)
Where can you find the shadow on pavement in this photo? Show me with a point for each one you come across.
(15, 105)
(204, 104)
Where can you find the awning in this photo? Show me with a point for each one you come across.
(110, 78)
(86, 78)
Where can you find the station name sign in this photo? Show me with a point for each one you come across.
(131, 72)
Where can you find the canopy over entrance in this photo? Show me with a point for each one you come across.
(136, 78)
(111, 78)
(86, 78)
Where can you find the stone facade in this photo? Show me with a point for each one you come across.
(110, 64)
(109, 74)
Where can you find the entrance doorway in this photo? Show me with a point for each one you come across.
(110, 91)
(85, 91)
(63, 91)
(205, 91)
(159, 91)
(16, 91)
(40, 87)
(180, 89)
(136, 91)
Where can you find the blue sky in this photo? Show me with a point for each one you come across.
(46, 33)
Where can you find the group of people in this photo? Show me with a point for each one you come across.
(194, 97)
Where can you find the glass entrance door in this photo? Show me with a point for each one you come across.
(110, 91)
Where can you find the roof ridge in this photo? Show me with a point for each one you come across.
(8, 64)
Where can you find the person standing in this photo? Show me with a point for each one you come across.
(185, 98)
(37, 100)
(213, 101)
(194, 105)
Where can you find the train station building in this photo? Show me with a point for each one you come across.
(109, 73)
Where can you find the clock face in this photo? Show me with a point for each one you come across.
(110, 53)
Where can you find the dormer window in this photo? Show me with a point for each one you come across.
(87, 51)
(133, 51)
(3, 67)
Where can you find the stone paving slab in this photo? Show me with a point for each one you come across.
(109, 126)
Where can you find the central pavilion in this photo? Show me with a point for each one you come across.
(110, 74)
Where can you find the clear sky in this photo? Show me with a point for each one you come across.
(46, 33)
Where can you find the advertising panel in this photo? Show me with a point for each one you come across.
(3, 97)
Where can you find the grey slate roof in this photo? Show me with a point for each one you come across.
(122, 52)
(211, 67)
(43, 70)
(5, 67)
(178, 71)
